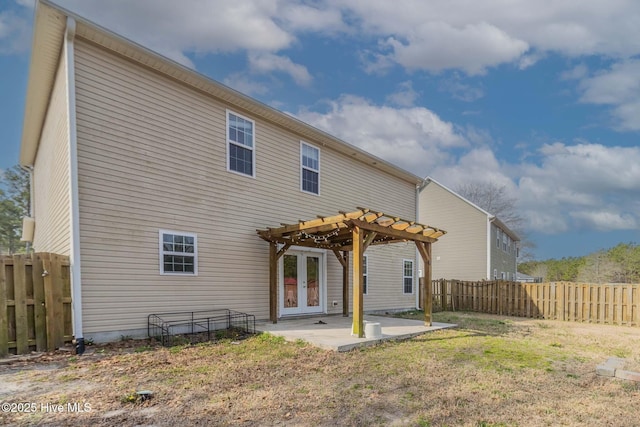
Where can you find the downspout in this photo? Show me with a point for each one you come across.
(76, 281)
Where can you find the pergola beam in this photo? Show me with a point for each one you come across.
(386, 231)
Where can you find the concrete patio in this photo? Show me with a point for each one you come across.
(334, 332)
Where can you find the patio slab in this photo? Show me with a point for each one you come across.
(334, 332)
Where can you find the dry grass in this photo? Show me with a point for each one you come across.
(491, 371)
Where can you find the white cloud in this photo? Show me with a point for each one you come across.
(15, 31)
(414, 138)
(268, 62)
(305, 18)
(243, 83)
(582, 186)
(197, 26)
(405, 96)
(436, 46)
(605, 220)
(461, 91)
(619, 86)
(578, 72)
(474, 35)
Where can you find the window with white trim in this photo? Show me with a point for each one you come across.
(498, 238)
(504, 241)
(178, 253)
(407, 276)
(495, 274)
(240, 145)
(309, 168)
(365, 274)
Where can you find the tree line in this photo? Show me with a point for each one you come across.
(620, 264)
(14, 205)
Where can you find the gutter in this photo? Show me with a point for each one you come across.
(76, 280)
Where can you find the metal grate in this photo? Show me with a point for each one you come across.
(191, 327)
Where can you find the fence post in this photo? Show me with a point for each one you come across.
(4, 321)
(20, 298)
(53, 298)
(443, 294)
(39, 309)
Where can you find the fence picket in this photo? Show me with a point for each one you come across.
(576, 302)
(34, 312)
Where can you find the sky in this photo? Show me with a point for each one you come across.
(539, 96)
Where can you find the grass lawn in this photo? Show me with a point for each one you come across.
(491, 371)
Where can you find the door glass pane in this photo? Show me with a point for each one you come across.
(313, 281)
(290, 281)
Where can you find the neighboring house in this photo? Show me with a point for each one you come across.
(478, 245)
(154, 180)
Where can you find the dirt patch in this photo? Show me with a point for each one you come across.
(491, 371)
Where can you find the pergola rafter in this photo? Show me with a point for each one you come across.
(350, 232)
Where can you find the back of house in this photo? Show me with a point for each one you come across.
(154, 179)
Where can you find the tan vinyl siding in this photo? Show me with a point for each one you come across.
(152, 155)
(462, 252)
(51, 179)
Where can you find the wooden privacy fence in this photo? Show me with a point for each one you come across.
(35, 303)
(617, 304)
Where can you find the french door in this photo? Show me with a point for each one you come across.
(301, 284)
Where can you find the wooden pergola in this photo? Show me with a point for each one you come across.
(344, 233)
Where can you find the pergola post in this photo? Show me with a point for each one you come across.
(345, 284)
(358, 314)
(273, 282)
(427, 296)
(344, 262)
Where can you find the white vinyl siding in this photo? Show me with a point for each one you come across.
(241, 154)
(134, 126)
(51, 174)
(309, 168)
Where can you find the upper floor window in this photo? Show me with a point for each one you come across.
(309, 168)
(240, 144)
(504, 242)
(178, 253)
(498, 238)
(407, 276)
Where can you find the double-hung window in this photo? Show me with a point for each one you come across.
(309, 168)
(407, 276)
(240, 145)
(498, 238)
(178, 253)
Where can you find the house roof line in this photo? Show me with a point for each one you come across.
(492, 218)
(49, 29)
